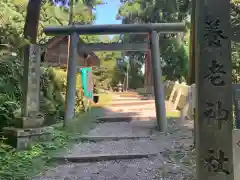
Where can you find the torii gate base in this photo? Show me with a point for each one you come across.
(151, 29)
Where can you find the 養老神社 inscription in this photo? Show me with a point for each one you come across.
(215, 73)
(214, 91)
(213, 34)
(215, 163)
(215, 112)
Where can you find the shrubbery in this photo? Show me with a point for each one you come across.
(52, 92)
(16, 164)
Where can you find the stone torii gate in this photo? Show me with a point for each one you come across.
(75, 30)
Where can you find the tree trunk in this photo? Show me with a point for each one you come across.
(32, 20)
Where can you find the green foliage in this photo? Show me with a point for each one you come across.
(10, 91)
(22, 165)
(235, 17)
(12, 16)
(53, 81)
(106, 74)
(19, 164)
(172, 48)
(52, 89)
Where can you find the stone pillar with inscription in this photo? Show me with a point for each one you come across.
(214, 91)
(236, 132)
(31, 88)
(28, 125)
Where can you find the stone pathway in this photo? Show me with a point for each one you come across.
(131, 150)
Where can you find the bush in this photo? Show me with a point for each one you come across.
(52, 91)
(10, 91)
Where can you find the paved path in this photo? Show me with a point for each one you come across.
(166, 154)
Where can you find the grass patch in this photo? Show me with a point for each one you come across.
(22, 165)
(104, 99)
(173, 114)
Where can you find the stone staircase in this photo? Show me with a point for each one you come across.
(123, 146)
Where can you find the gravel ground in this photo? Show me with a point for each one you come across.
(141, 169)
(173, 161)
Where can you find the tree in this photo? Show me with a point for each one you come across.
(172, 46)
(235, 14)
(32, 20)
(11, 26)
(107, 74)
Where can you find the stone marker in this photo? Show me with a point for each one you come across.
(214, 91)
(27, 127)
(173, 91)
(186, 110)
(236, 100)
(193, 97)
(31, 84)
(178, 96)
(236, 153)
(183, 96)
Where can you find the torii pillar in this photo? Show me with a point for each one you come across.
(148, 79)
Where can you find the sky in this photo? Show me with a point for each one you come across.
(106, 14)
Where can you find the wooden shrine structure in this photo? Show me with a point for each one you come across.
(55, 54)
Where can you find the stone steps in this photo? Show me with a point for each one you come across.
(133, 103)
(101, 157)
(134, 169)
(119, 99)
(108, 138)
(109, 150)
(122, 129)
(136, 109)
(118, 148)
(128, 94)
(126, 118)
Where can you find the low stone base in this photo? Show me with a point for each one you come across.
(22, 138)
(28, 122)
